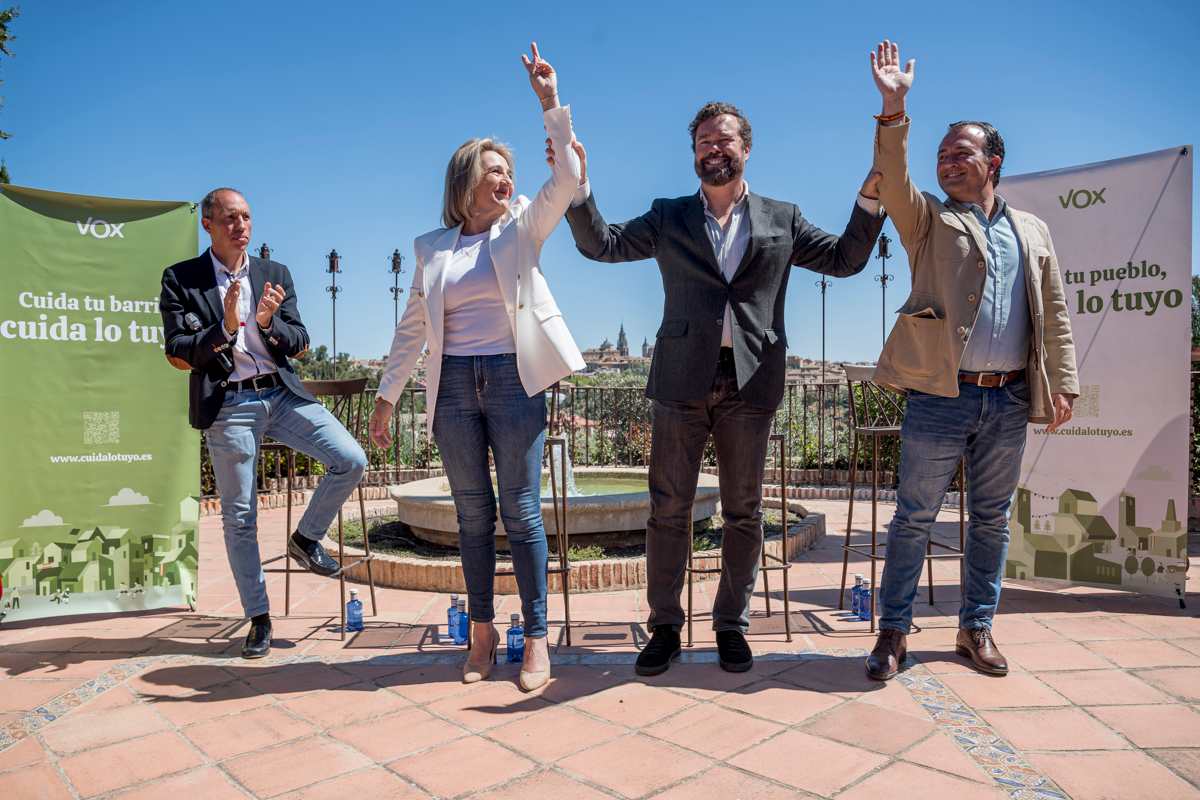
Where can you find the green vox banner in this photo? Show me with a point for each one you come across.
(98, 511)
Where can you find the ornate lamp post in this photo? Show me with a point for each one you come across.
(824, 286)
(335, 266)
(883, 277)
(397, 268)
(264, 252)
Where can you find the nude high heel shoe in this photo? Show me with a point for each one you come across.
(532, 680)
(473, 672)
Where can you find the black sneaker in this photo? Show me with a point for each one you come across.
(258, 640)
(733, 653)
(312, 556)
(659, 652)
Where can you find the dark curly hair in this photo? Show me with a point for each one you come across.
(993, 142)
(715, 109)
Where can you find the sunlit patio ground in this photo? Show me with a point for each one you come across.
(1103, 700)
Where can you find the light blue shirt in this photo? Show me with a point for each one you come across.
(1000, 338)
(729, 246)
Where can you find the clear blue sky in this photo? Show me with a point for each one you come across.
(337, 120)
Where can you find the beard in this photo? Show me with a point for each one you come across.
(719, 171)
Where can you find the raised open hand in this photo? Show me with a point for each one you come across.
(542, 77)
(892, 82)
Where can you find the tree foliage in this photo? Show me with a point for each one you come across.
(1196, 311)
(6, 16)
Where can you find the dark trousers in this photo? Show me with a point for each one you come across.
(740, 433)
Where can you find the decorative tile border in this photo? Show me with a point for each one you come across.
(43, 715)
(979, 740)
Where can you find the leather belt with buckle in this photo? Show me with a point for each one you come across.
(990, 380)
(258, 383)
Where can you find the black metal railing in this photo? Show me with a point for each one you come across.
(604, 426)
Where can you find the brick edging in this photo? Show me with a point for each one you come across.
(586, 576)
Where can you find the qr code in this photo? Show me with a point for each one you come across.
(1088, 402)
(101, 427)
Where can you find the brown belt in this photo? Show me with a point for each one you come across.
(990, 380)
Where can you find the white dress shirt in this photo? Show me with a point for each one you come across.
(250, 354)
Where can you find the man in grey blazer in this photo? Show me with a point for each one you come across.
(719, 358)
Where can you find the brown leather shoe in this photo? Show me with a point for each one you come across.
(977, 644)
(890, 649)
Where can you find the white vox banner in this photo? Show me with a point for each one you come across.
(1103, 500)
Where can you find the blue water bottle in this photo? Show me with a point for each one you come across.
(452, 618)
(515, 640)
(856, 595)
(354, 621)
(864, 602)
(461, 633)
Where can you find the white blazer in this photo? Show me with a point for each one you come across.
(545, 350)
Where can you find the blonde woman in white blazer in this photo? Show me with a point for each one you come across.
(496, 341)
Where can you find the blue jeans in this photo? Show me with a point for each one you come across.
(988, 426)
(481, 404)
(233, 441)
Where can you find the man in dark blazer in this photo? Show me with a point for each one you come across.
(719, 358)
(233, 320)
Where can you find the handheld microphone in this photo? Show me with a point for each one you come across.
(193, 323)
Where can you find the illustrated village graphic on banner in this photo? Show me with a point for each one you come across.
(97, 507)
(1104, 499)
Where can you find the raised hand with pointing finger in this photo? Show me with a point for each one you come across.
(542, 78)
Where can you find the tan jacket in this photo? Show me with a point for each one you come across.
(946, 249)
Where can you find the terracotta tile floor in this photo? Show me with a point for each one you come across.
(1101, 702)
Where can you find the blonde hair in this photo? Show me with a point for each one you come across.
(463, 174)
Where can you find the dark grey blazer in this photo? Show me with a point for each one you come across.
(689, 340)
(191, 287)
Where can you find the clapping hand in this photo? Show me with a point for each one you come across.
(892, 82)
(542, 78)
(268, 304)
(233, 317)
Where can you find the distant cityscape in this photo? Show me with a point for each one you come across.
(607, 358)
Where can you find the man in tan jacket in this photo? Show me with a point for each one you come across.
(982, 347)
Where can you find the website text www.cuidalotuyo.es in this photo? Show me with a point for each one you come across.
(1084, 430)
(93, 458)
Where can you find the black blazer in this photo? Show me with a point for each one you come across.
(191, 287)
(689, 340)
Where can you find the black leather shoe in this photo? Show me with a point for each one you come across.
(891, 648)
(258, 640)
(659, 652)
(312, 556)
(733, 653)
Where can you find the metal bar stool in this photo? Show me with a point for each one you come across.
(348, 404)
(876, 412)
(770, 563)
(558, 498)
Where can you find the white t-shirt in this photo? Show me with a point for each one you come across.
(475, 321)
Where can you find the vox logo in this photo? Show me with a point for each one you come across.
(100, 229)
(1082, 198)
